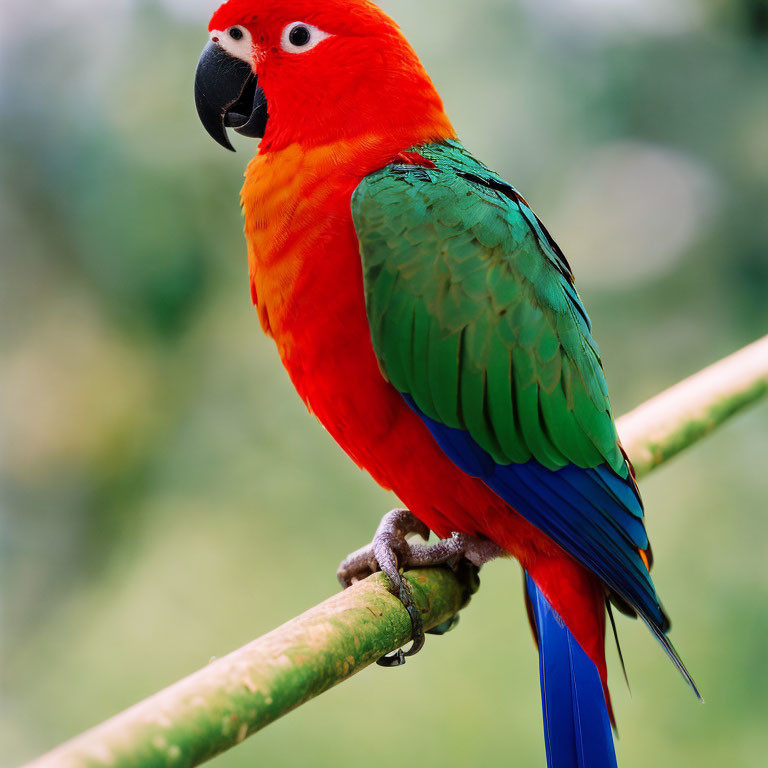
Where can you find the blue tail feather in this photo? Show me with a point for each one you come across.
(577, 727)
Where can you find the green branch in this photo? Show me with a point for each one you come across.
(663, 426)
(235, 696)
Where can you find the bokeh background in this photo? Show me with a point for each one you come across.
(164, 497)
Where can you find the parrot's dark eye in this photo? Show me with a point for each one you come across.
(236, 33)
(299, 36)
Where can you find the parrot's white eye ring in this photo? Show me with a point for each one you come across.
(300, 37)
(236, 41)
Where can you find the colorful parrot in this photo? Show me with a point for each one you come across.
(428, 319)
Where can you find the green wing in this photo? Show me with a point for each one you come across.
(475, 320)
(473, 313)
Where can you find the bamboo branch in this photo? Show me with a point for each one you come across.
(663, 426)
(218, 706)
(233, 697)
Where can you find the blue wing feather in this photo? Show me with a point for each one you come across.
(571, 505)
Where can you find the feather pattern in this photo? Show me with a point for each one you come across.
(515, 361)
(474, 318)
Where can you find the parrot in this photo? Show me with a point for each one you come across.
(426, 316)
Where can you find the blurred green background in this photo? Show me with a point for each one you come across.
(164, 497)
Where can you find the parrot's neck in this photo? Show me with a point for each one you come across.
(298, 225)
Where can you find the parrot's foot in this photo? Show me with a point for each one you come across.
(390, 551)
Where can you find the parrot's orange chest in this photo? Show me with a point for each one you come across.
(303, 253)
(284, 200)
(304, 262)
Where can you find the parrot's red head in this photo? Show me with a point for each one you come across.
(314, 72)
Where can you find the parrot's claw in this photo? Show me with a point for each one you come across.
(390, 551)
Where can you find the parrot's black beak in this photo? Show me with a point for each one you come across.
(227, 95)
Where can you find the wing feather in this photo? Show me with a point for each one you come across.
(475, 320)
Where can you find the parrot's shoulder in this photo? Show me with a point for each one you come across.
(444, 181)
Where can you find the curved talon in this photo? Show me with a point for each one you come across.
(405, 595)
(396, 659)
(417, 629)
